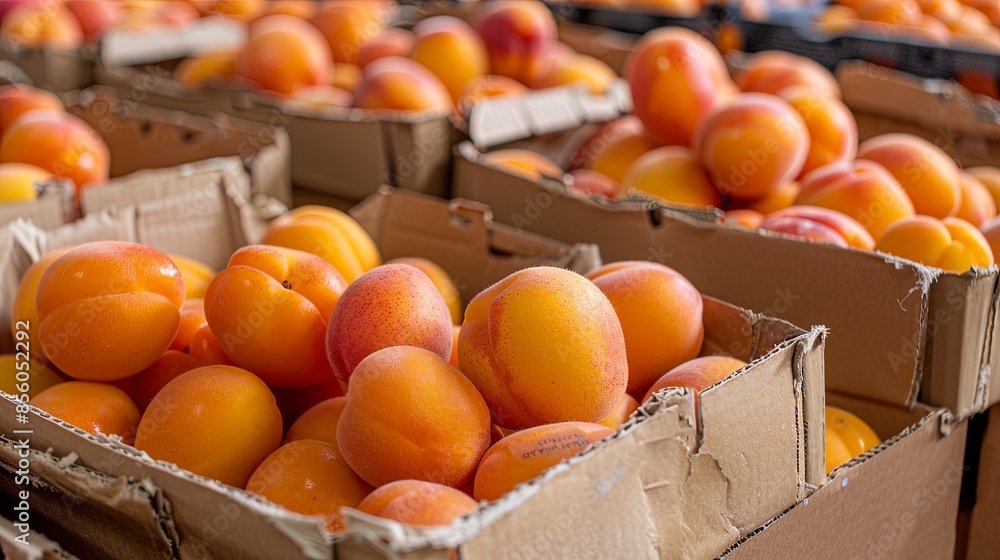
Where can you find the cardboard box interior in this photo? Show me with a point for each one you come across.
(33, 546)
(978, 538)
(57, 70)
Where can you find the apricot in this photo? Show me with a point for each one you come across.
(201, 68)
(847, 436)
(587, 182)
(898, 12)
(345, 76)
(441, 280)
(143, 386)
(698, 374)
(94, 16)
(400, 84)
(673, 174)
(552, 57)
(347, 27)
(833, 133)
(747, 219)
(836, 19)
(59, 143)
(411, 415)
(660, 313)
(846, 229)
(319, 422)
(23, 307)
(804, 229)
(284, 53)
(108, 309)
(205, 348)
(230, 410)
(580, 69)
(863, 190)
(243, 10)
(682, 66)
(310, 477)
(614, 147)
(991, 232)
(294, 402)
(192, 320)
(20, 181)
(452, 50)
(17, 99)
(485, 87)
(544, 345)
(523, 456)
(621, 413)
(990, 178)
(391, 305)
(391, 41)
(514, 33)
(781, 197)
(96, 408)
(773, 71)
(753, 146)
(269, 310)
(329, 234)
(304, 9)
(37, 25)
(320, 97)
(527, 164)
(677, 8)
(977, 205)
(416, 502)
(950, 244)
(196, 275)
(29, 377)
(453, 359)
(927, 174)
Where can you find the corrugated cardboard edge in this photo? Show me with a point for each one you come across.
(39, 546)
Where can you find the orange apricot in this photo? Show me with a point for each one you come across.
(321, 97)
(16, 378)
(514, 33)
(17, 99)
(698, 374)
(294, 402)
(231, 411)
(991, 232)
(773, 71)
(525, 163)
(846, 228)
(673, 174)
(587, 182)
(621, 413)
(23, 307)
(108, 309)
(196, 274)
(745, 218)
(951, 244)
(416, 502)
(347, 27)
(483, 87)
(196, 70)
(781, 197)
(97, 408)
(660, 313)
(453, 359)
(753, 146)
(523, 456)
(580, 69)
(94, 16)
(319, 422)
(269, 310)
(284, 53)
(441, 280)
(677, 8)
(310, 477)
(990, 178)
(330, 235)
(304, 9)
(205, 348)
(452, 50)
(192, 320)
(927, 174)
(411, 415)
(544, 345)
(836, 20)
(400, 84)
(37, 25)
(391, 41)
(143, 386)
(243, 10)
(681, 66)
(833, 133)
(977, 205)
(847, 436)
(391, 305)
(614, 147)
(898, 12)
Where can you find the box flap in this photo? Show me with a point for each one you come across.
(38, 547)
(55, 205)
(983, 537)
(129, 47)
(56, 70)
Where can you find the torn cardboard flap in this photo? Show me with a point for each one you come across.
(126, 47)
(55, 205)
(38, 547)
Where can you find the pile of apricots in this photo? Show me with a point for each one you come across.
(776, 148)
(313, 374)
(40, 141)
(345, 54)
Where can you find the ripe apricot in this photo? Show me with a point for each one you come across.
(836, 19)
(847, 436)
(230, 411)
(416, 502)
(97, 408)
(453, 359)
(927, 174)
(587, 182)
(59, 143)
(94, 16)
(580, 69)
(143, 386)
(319, 422)
(621, 413)
(863, 190)
(752, 146)
(452, 50)
(400, 84)
(347, 27)
(20, 181)
(747, 219)
(196, 274)
(833, 133)
(522, 456)
(950, 244)
(991, 232)
(977, 205)
(544, 345)
(411, 415)
(483, 87)
(284, 53)
(698, 374)
(773, 71)
(673, 174)
(269, 310)
(391, 41)
(198, 69)
(677, 8)
(514, 33)
(660, 313)
(847, 229)
(330, 235)
(108, 309)
(23, 307)
(294, 402)
(990, 178)
(391, 305)
(30, 379)
(243, 10)
(441, 280)
(310, 477)
(17, 99)
(36, 25)
(681, 66)
(614, 147)
(321, 97)
(781, 197)
(525, 163)
(304, 9)
(192, 320)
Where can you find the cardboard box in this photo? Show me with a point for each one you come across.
(57, 70)
(686, 492)
(899, 500)
(978, 538)
(929, 334)
(34, 546)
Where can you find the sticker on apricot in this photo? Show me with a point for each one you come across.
(559, 444)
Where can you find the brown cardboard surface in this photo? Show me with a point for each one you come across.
(55, 205)
(38, 547)
(899, 502)
(983, 538)
(53, 69)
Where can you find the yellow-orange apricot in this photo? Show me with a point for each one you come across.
(898, 12)
(977, 204)
(196, 275)
(347, 27)
(23, 307)
(452, 50)
(847, 436)
(196, 70)
(514, 33)
(747, 219)
(321, 97)
(304, 9)
(94, 16)
(345, 76)
(415, 502)
(774, 71)
(580, 69)
(97, 408)
(284, 53)
(846, 228)
(294, 402)
(588, 182)
(697, 374)
(391, 41)
(622, 412)
(441, 280)
(990, 178)
(143, 386)
(483, 87)
(17, 99)
(614, 147)
(39, 25)
(836, 19)
(991, 232)
(833, 133)
(673, 174)
(951, 244)
(400, 84)
(781, 197)
(525, 163)
(927, 174)
(319, 422)
(243, 10)
(29, 377)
